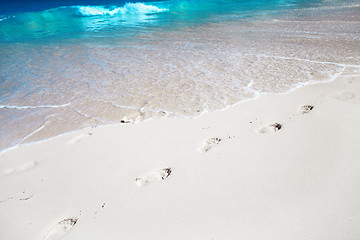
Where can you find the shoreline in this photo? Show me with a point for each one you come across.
(299, 181)
(257, 96)
(234, 67)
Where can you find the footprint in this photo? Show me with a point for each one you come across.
(271, 128)
(60, 229)
(26, 198)
(306, 109)
(21, 168)
(209, 144)
(345, 96)
(78, 138)
(155, 176)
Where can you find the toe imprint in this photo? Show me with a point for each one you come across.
(155, 176)
(60, 229)
(306, 108)
(164, 173)
(271, 128)
(210, 143)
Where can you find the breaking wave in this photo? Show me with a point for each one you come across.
(128, 8)
(70, 21)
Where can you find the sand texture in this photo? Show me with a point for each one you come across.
(280, 167)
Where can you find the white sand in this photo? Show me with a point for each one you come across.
(300, 182)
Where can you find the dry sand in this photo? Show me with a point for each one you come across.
(231, 174)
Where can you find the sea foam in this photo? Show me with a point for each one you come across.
(128, 8)
(5, 18)
(33, 107)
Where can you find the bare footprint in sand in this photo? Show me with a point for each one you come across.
(79, 138)
(60, 229)
(306, 109)
(209, 144)
(270, 128)
(345, 96)
(155, 176)
(21, 168)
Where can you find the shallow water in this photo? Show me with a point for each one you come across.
(66, 68)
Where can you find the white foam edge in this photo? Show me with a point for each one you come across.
(33, 107)
(256, 96)
(136, 7)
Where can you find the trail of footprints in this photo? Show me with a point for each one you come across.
(305, 109)
(62, 227)
(57, 231)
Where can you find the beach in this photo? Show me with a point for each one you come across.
(273, 161)
(233, 175)
(54, 85)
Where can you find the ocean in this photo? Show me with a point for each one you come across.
(66, 65)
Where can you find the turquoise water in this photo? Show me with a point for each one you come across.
(67, 65)
(117, 19)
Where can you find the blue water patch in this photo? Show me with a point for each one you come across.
(74, 21)
(14, 6)
(78, 19)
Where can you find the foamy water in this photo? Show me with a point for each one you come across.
(57, 85)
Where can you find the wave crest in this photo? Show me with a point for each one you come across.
(128, 8)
